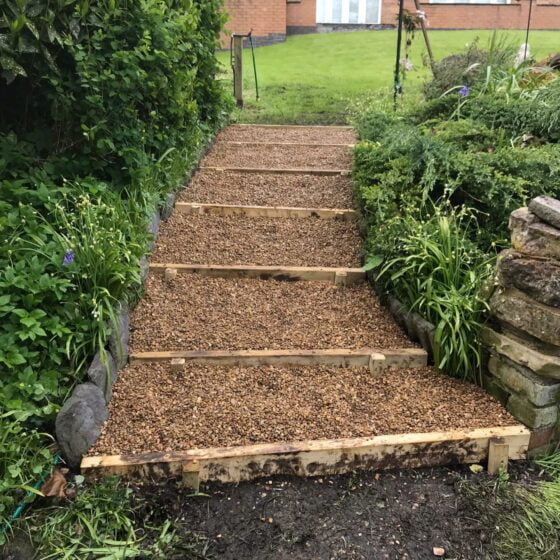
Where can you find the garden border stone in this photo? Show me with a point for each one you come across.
(99, 373)
(547, 209)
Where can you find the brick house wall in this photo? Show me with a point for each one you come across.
(301, 16)
(267, 19)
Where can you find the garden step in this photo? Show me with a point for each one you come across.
(258, 144)
(285, 170)
(279, 157)
(266, 211)
(240, 240)
(269, 189)
(338, 276)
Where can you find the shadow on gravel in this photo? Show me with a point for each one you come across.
(374, 516)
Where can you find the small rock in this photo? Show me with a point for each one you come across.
(99, 373)
(438, 551)
(547, 209)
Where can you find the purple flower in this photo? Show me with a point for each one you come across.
(464, 91)
(68, 258)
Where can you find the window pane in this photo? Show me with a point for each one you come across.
(354, 9)
(336, 12)
(372, 11)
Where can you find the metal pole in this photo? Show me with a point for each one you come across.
(254, 63)
(528, 28)
(238, 69)
(397, 85)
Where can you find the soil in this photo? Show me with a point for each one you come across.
(303, 135)
(155, 409)
(279, 157)
(194, 239)
(254, 189)
(197, 313)
(392, 515)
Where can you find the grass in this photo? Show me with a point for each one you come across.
(313, 78)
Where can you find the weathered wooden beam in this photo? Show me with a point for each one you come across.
(498, 455)
(295, 126)
(400, 357)
(268, 170)
(264, 211)
(282, 273)
(315, 457)
(293, 144)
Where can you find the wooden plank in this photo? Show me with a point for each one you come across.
(316, 457)
(293, 144)
(498, 455)
(265, 211)
(405, 357)
(266, 170)
(295, 126)
(281, 273)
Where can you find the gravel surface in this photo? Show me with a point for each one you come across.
(253, 189)
(197, 313)
(279, 157)
(331, 135)
(207, 239)
(154, 409)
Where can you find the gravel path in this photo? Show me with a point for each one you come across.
(331, 135)
(306, 191)
(208, 406)
(279, 157)
(261, 241)
(195, 313)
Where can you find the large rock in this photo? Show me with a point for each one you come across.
(539, 278)
(547, 209)
(531, 236)
(78, 424)
(532, 416)
(518, 379)
(118, 340)
(102, 374)
(544, 365)
(168, 205)
(524, 313)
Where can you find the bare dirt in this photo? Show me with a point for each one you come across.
(207, 239)
(392, 515)
(279, 157)
(254, 189)
(195, 313)
(156, 409)
(303, 135)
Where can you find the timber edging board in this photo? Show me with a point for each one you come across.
(400, 357)
(296, 126)
(315, 457)
(265, 211)
(272, 171)
(345, 276)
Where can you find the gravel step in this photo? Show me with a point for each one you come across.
(194, 313)
(208, 239)
(318, 135)
(157, 409)
(279, 157)
(228, 187)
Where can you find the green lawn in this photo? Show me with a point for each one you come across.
(312, 78)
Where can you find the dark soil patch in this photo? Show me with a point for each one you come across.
(385, 516)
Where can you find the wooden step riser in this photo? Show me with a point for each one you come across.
(294, 126)
(337, 276)
(382, 359)
(264, 211)
(316, 457)
(272, 144)
(264, 171)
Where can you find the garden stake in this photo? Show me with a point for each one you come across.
(421, 17)
(528, 28)
(397, 89)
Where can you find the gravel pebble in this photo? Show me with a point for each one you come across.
(303, 135)
(279, 157)
(255, 189)
(154, 409)
(258, 241)
(197, 313)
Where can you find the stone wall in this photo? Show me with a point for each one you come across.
(523, 336)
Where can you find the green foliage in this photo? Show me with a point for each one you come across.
(23, 460)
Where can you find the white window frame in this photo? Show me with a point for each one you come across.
(325, 7)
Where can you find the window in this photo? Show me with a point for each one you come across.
(348, 11)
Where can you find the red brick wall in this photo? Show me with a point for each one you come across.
(546, 14)
(302, 14)
(267, 18)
